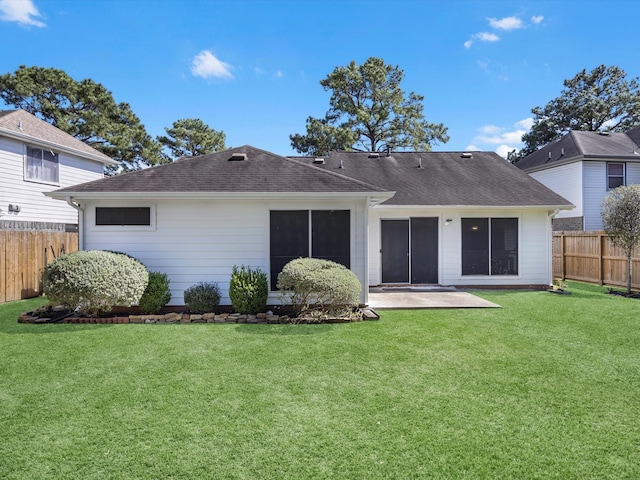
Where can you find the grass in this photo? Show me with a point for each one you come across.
(546, 387)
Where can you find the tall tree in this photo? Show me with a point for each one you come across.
(191, 137)
(621, 221)
(602, 99)
(85, 110)
(368, 111)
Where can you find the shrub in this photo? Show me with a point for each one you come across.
(95, 280)
(157, 294)
(248, 290)
(203, 297)
(311, 283)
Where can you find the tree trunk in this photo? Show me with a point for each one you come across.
(629, 273)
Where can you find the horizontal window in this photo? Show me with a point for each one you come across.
(42, 166)
(123, 216)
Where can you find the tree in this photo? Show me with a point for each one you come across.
(191, 137)
(85, 109)
(598, 100)
(368, 111)
(621, 221)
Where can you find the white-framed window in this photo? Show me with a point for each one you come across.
(124, 217)
(42, 165)
(615, 175)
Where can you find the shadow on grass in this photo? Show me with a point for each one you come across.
(284, 330)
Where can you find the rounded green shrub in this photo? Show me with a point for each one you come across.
(311, 283)
(95, 281)
(157, 294)
(248, 290)
(203, 297)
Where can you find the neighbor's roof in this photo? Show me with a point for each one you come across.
(584, 145)
(23, 126)
(259, 172)
(444, 178)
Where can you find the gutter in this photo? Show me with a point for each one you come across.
(80, 210)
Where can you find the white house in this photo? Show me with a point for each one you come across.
(37, 157)
(406, 218)
(583, 167)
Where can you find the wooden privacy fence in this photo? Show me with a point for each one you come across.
(24, 254)
(591, 257)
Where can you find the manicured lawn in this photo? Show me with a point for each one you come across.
(546, 387)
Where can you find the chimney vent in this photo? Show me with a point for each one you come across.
(238, 157)
(420, 162)
(318, 161)
(466, 155)
(374, 155)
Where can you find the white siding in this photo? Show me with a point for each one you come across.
(595, 190)
(565, 180)
(34, 206)
(195, 241)
(534, 244)
(633, 173)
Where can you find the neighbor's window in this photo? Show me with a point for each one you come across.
(489, 246)
(42, 165)
(615, 175)
(324, 234)
(123, 216)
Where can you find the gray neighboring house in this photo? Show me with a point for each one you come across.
(402, 219)
(583, 167)
(37, 157)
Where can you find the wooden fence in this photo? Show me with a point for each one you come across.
(23, 255)
(591, 257)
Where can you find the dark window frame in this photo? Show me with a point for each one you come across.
(611, 176)
(320, 240)
(39, 163)
(494, 250)
(123, 216)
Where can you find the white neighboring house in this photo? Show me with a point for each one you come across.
(402, 219)
(37, 157)
(583, 167)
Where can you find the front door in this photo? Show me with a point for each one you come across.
(410, 250)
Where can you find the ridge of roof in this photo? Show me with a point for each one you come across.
(24, 126)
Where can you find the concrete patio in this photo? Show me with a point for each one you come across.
(424, 297)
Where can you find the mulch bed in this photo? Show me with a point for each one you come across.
(623, 293)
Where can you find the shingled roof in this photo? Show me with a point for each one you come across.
(238, 170)
(584, 145)
(444, 178)
(23, 126)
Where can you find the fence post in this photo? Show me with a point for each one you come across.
(562, 257)
(600, 260)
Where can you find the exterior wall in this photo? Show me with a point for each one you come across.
(534, 248)
(34, 206)
(568, 224)
(194, 241)
(565, 180)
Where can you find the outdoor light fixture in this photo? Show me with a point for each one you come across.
(448, 221)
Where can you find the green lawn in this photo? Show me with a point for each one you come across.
(546, 387)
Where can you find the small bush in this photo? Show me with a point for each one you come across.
(204, 297)
(248, 290)
(157, 294)
(311, 283)
(95, 280)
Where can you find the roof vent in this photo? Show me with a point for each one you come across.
(420, 162)
(341, 165)
(466, 155)
(549, 155)
(562, 152)
(318, 161)
(19, 125)
(238, 157)
(604, 133)
(374, 155)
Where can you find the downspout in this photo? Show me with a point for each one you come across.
(366, 252)
(80, 210)
(551, 216)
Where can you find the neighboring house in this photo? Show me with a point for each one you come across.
(428, 218)
(583, 167)
(37, 157)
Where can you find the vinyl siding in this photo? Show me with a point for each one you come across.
(34, 206)
(195, 241)
(534, 257)
(565, 180)
(595, 190)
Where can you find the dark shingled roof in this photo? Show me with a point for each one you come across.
(261, 171)
(22, 125)
(583, 145)
(446, 178)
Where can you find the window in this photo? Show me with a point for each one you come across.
(322, 234)
(615, 175)
(489, 246)
(123, 216)
(42, 166)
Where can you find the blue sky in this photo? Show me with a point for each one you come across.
(252, 68)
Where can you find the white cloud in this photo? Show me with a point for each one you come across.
(526, 123)
(206, 64)
(482, 37)
(279, 74)
(472, 148)
(536, 19)
(22, 11)
(506, 23)
(503, 150)
(490, 129)
(502, 140)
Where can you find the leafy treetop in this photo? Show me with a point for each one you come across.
(191, 137)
